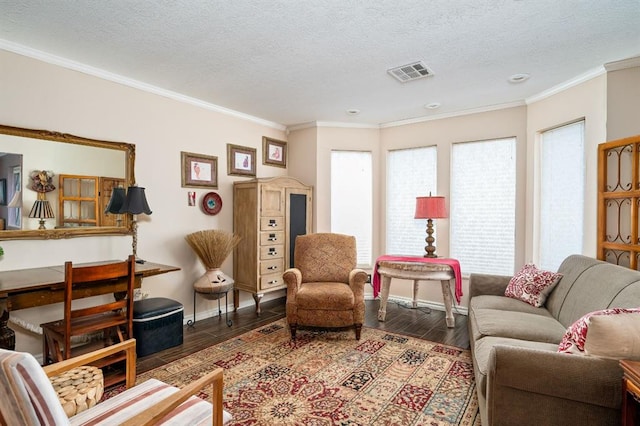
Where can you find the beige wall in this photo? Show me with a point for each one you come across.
(39, 95)
(303, 144)
(443, 133)
(586, 100)
(623, 100)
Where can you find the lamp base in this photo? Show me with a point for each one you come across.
(430, 249)
(42, 224)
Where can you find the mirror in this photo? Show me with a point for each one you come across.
(83, 170)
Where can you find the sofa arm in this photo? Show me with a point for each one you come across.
(480, 284)
(526, 385)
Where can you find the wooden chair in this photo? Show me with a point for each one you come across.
(28, 398)
(114, 319)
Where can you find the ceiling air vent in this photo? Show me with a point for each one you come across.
(410, 72)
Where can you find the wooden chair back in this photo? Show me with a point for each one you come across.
(95, 275)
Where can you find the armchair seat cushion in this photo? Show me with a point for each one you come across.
(328, 296)
(125, 405)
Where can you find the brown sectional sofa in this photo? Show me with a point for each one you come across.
(521, 378)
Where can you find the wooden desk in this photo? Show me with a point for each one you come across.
(29, 288)
(416, 271)
(630, 392)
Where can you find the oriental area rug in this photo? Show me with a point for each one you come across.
(329, 378)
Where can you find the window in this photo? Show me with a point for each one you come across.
(410, 173)
(351, 199)
(483, 205)
(561, 201)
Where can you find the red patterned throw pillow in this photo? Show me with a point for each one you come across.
(613, 335)
(532, 285)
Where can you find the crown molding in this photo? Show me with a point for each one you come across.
(566, 85)
(116, 78)
(347, 125)
(623, 64)
(487, 108)
(319, 124)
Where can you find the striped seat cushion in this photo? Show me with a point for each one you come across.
(27, 396)
(127, 404)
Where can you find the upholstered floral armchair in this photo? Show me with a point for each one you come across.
(324, 289)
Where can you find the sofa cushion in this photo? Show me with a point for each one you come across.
(532, 285)
(482, 350)
(610, 333)
(589, 285)
(503, 303)
(515, 325)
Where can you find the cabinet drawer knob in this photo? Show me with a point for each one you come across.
(273, 223)
(272, 239)
(272, 268)
(272, 253)
(273, 282)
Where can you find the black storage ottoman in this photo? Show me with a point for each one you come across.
(157, 324)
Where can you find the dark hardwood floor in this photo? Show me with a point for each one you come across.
(422, 323)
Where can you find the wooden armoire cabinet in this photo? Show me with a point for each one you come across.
(268, 214)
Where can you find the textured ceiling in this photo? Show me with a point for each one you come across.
(295, 61)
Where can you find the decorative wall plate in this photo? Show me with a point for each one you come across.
(211, 203)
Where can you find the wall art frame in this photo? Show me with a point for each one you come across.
(199, 170)
(241, 160)
(274, 152)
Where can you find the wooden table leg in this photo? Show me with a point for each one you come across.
(384, 295)
(416, 286)
(448, 303)
(257, 297)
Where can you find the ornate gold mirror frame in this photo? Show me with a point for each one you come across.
(69, 232)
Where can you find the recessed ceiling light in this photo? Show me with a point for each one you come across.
(353, 111)
(432, 105)
(519, 78)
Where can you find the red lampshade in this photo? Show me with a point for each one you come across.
(430, 208)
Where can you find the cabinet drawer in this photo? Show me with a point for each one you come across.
(272, 266)
(271, 238)
(272, 252)
(271, 280)
(272, 223)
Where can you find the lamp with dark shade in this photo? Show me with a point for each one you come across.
(41, 210)
(430, 208)
(118, 196)
(135, 202)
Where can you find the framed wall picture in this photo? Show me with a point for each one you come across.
(274, 152)
(241, 160)
(3, 192)
(199, 171)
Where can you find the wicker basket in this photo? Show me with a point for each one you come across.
(79, 389)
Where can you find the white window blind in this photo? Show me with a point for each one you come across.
(561, 194)
(352, 199)
(483, 192)
(410, 173)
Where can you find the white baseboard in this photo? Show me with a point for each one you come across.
(437, 306)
